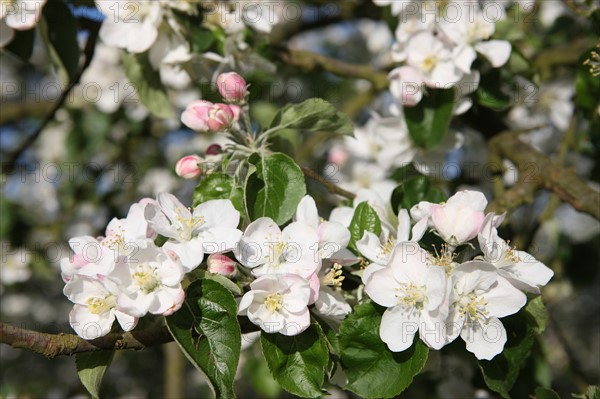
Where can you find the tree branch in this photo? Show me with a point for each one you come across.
(311, 61)
(536, 170)
(52, 345)
(330, 186)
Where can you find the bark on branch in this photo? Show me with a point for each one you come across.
(541, 171)
(52, 345)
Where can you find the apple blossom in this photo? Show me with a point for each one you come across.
(210, 227)
(478, 298)
(266, 249)
(414, 293)
(521, 269)
(278, 304)
(188, 167)
(326, 294)
(150, 282)
(95, 306)
(332, 236)
(130, 25)
(220, 264)
(204, 116)
(232, 87)
(433, 59)
(457, 221)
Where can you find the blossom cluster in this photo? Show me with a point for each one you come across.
(437, 46)
(125, 275)
(435, 294)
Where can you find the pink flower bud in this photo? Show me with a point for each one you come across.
(214, 149)
(188, 167)
(232, 87)
(195, 115)
(204, 116)
(221, 264)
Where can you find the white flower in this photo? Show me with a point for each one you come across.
(268, 250)
(332, 236)
(433, 59)
(414, 294)
(130, 25)
(85, 260)
(521, 269)
(477, 300)
(470, 34)
(278, 304)
(406, 85)
(167, 55)
(456, 221)
(150, 282)
(95, 306)
(328, 300)
(210, 228)
(379, 249)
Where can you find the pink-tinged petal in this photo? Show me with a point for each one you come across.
(315, 287)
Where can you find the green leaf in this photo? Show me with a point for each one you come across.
(207, 330)
(365, 219)
(373, 370)
(490, 91)
(147, 83)
(219, 186)
(298, 362)
(91, 368)
(500, 373)
(545, 393)
(313, 114)
(410, 192)
(198, 274)
(62, 35)
(276, 188)
(428, 121)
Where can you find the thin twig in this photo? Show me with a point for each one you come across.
(330, 186)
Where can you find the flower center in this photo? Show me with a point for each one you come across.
(388, 246)
(187, 225)
(276, 251)
(411, 295)
(101, 305)
(334, 276)
(428, 63)
(444, 258)
(274, 302)
(146, 279)
(473, 307)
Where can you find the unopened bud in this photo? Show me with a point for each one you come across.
(221, 264)
(204, 116)
(214, 149)
(232, 87)
(188, 167)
